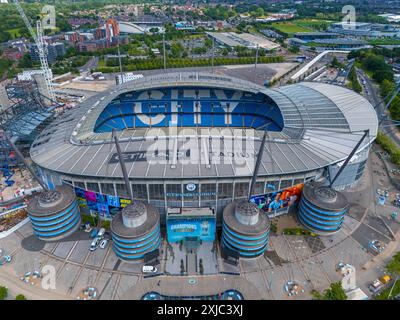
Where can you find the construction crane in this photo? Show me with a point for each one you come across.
(41, 47)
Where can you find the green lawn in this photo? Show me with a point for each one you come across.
(102, 63)
(385, 41)
(302, 25)
(290, 28)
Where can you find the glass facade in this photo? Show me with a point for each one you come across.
(80, 184)
(106, 188)
(210, 193)
(225, 191)
(259, 187)
(286, 184)
(360, 170)
(156, 191)
(121, 190)
(271, 186)
(139, 191)
(93, 186)
(173, 195)
(241, 190)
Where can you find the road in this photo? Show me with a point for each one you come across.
(91, 64)
(371, 92)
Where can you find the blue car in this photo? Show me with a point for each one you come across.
(93, 234)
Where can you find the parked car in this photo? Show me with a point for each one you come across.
(149, 269)
(103, 244)
(95, 243)
(377, 246)
(93, 234)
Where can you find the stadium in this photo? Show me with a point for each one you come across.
(192, 139)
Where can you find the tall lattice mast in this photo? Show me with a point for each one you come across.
(42, 50)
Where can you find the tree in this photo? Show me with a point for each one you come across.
(242, 26)
(335, 63)
(294, 49)
(177, 50)
(146, 10)
(5, 65)
(380, 75)
(259, 12)
(355, 84)
(394, 265)
(334, 292)
(20, 297)
(3, 292)
(4, 36)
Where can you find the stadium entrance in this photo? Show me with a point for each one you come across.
(191, 241)
(190, 224)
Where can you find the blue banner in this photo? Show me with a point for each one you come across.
(200, 228)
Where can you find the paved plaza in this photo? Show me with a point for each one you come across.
(310, 261)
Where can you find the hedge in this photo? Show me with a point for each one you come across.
(151, 64)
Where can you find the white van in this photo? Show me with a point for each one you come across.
(149, 269)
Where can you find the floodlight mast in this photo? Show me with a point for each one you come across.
(257, 166)
(366, 132)
(122, 164)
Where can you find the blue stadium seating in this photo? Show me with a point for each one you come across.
(253, 111)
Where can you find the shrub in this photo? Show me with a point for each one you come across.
(3, 292)
(334, 292)
(389, 146)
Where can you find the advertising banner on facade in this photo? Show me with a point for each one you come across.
(106, 206)
(278, 200)
(199, 228)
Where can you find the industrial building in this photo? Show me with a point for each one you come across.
(189, 140)
(247, 40)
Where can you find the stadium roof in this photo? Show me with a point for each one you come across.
(322, 124)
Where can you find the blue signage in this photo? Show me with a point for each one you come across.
(113, 201)
(200, 228)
